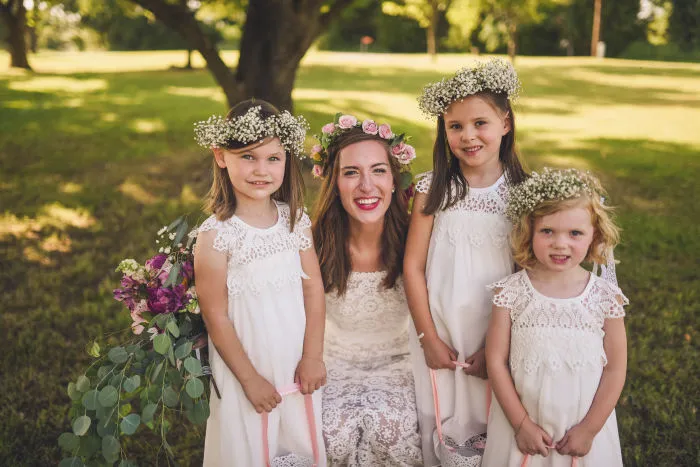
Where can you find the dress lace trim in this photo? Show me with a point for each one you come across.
(557, 333)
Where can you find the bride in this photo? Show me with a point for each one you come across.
(369, 408)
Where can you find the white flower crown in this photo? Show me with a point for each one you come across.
(550, 185)
(496, 75)
(217, 131)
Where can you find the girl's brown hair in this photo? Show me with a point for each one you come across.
(446, 169)
(331, 226)
(221, 199)
(605, 236)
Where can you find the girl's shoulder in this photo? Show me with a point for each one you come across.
(509, 290)
(225, 232)
(301, 233)
(423, 181)
(606, 297)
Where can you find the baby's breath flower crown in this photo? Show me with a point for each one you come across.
(549, 185)
(217, 131)
(496, 75)
(404, 153)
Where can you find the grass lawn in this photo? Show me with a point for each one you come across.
(97, 153)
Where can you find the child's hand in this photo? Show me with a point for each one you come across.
(310, 374)
(438, 355)
(576, 442)
(477, 364)
(532, 439)
(261, 394)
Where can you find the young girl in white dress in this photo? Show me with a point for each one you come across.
(369, 406)
(458, 243)
(260, 290)
(556, 346)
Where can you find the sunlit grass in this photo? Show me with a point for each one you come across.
(97, 153)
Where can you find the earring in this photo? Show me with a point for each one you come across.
(393, 189)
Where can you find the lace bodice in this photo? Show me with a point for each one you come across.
(250, 250)
(457, 222)
(369, 323)
(557, 333)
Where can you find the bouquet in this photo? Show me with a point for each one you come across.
(157, 372)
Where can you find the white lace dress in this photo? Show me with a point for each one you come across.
(468, 250)
(556, 361)
(266, 308)
(369, 407)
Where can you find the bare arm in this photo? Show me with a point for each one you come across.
(311, 371)
(530, 437)
(438, 354)
(210, 270)
(578, 440)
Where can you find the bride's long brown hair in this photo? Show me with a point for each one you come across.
(331, 226)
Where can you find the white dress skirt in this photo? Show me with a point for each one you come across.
(556, 361)
(468, 250)
(266, 308)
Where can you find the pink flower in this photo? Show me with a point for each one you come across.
(328, 128)
(136, 317)
(316, 149)
(347, 121)
(398, 149)
(317, 171)
(385, 131)
(369, 127)
(408, 155)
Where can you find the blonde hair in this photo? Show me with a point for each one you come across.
(221, 199)
(605, 236)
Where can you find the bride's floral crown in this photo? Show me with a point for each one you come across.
(496, 75)
(217, 131)
(403, 152)
(550, 185)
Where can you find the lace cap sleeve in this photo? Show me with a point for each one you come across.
(423, 182)
(507, 291)
(612, 300)
(224, 237)
(302, 229)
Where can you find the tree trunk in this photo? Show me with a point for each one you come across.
(512, 40)
(276, 36)
(595, 34)
(188, 66)
(431, 32)
(14, 15)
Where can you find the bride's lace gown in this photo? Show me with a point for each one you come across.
(369, 406)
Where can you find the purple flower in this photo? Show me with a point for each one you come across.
(155, 263)
(166, 300)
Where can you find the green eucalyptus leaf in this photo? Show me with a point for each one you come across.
(199, 413)
(170, 397)
(173, 329)
(104, 370)
(124, 410)
(94, 349)
(73, 392)
(171, 356)
(110, 448)
(130, 423)
(117, 355)
(405, 180)
(83, 383)
(193, 366)
(185, 327)
(90, 399)
(139, 355)
(71, 462)
(183, 350)
(172, 275)
(174, 377)
(81, 425)
(155, 394)
(194, 388)
(175, 223)
(68, 442)
(116, 380)
(157, 370)
(162, 343)
(108, 396)
(89, 445)
(107, 427)
(181, 231)
(132, 384)
(148, 412)
(127, 463)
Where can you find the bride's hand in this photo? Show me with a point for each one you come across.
(438, 355)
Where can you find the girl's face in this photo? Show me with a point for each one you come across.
(365, 182)
(561, 240)
(255, 171)
(474, 131)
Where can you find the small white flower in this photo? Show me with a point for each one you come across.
(167, 251)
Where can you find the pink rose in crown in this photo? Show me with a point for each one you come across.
(328, 128)
(369, 127)
(385, 131)
(316, 149)
(398, 149)
(408, 155)
(317, 171)
(347, 121)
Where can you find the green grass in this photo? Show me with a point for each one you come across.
(97, 153)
